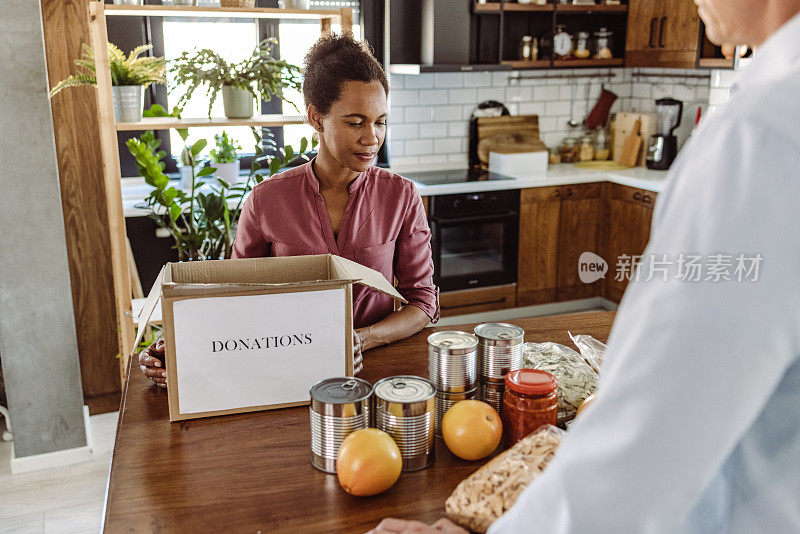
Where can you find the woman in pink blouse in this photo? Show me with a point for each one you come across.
(340, 204)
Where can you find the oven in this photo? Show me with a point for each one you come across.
(474, 239)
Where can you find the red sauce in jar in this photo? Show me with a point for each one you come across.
(530, 401)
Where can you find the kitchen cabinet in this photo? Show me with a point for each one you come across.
(539, 221)
(627, 214)
(579, 222)
(477, 300)
(662, 33)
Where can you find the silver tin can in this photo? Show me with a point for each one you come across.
(405, 409)
(492, 394)
(452, 360)
(499, 350)
(444, 401)
(339, 406)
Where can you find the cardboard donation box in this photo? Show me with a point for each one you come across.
(255, 334)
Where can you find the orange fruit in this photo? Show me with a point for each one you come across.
(585, 404)
(471, 429)
(369, 462)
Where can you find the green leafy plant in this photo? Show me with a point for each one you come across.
(202, 221)
(130, 70)
(226, 149)
(260, 74)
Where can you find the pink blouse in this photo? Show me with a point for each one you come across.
(383, 227)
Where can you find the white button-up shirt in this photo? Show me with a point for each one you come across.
(696, 427)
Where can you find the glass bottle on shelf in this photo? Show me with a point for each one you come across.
(528, 48)
(582, 46)
(603, 43)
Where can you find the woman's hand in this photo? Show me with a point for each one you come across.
(151, 361)
(358, 357)
(399, 526)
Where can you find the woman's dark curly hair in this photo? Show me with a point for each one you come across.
(333, 60)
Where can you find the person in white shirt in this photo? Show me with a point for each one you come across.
(696, 426)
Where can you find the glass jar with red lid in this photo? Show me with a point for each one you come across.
(530, 401)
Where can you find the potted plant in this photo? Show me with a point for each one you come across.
(260, 75)
(129, 77)
(225, 158)
(203, 220)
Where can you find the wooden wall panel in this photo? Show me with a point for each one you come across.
(83, 199)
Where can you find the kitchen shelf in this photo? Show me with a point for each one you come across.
(529, 7)
(599, 63)
(491, 7)
(715, 63)
(590, 10)
(521, 64)
(165, 123)
(220, 12)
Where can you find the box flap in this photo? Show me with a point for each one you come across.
(348, 269)
(149, 306)
(252, 270)
(195, 290)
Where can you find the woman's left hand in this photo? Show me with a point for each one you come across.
(400, 526)
(358, 357)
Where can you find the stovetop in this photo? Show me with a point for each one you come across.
(457, 176)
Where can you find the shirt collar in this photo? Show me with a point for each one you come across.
(778, 56)
(313, 182)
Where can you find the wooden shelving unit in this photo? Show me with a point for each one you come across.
(599, 63)
(522, 64)
(109, 146)
(531, 8)
(590, 10)
(715, 63)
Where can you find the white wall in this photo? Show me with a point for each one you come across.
(429, 113)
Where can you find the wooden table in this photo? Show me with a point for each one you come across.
(251, 472)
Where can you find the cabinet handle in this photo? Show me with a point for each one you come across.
(647, 199)
(661, 32)
(637, 196)
(557, 193)
(651, 41)
(568, 192)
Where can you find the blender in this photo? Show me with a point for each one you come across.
(663, 147)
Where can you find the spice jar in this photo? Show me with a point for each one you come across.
(554, 155)
(586, 149)
(530, 401)
(582, 46)
(569, 150)
(528, 48)
(602, 44)
(602, 146)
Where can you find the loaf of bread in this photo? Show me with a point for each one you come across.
(479, 500)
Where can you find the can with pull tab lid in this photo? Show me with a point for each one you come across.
(339, 406)
(452, 357)
(499, 350)
(405, 409)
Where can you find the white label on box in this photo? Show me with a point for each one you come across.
(255, 350)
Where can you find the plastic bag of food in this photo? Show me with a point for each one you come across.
(576, 378)
(593, 351)
(479, 500)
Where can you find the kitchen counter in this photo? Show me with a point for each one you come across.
(252, 472)
(134, 189)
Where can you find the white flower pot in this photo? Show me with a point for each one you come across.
(238, 103)
(227, 171)
(128, 102)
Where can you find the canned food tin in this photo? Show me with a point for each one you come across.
(444, 401)
(492, 394)
(452, 360)
(405, 409)
(339, 406)
(499, 350)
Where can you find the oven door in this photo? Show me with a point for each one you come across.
(475, 251)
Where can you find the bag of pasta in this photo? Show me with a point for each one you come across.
(479, 500)
(576, 378)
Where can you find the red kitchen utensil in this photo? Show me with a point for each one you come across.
(599, 114)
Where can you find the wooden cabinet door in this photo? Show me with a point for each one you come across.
(678, 34)
(581, 209)
(539, 219)
(641, 45)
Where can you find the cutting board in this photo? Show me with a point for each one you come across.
(623, 125)
(630, 148)
(510, 134)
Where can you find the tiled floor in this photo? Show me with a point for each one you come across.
(63, 500)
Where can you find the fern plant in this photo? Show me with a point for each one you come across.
(260, 74)
(130, 70)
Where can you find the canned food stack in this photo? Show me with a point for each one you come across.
(499, 352)
(404, 409)
(452, 366)
(339, 406)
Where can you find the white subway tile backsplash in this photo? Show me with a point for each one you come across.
(447, 146)
(432, 160)
(500, 79)
(549, 124)
(642, 90)
(433, 129)
(458, 129)
(462, 96)
(419, 147)
(477, 79)
(447, 113)
(565, 92)
(404, 161)
(458, 159)
(448, 79)
(419, 114)
(396, 81)
(397, 148)
(556, 108)
(532, 108)
(433, 97)
(467, 109)
(419, 81)
(403, 131)
(518, 93)
(491, 93)
(404, 97)
(546, 92)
